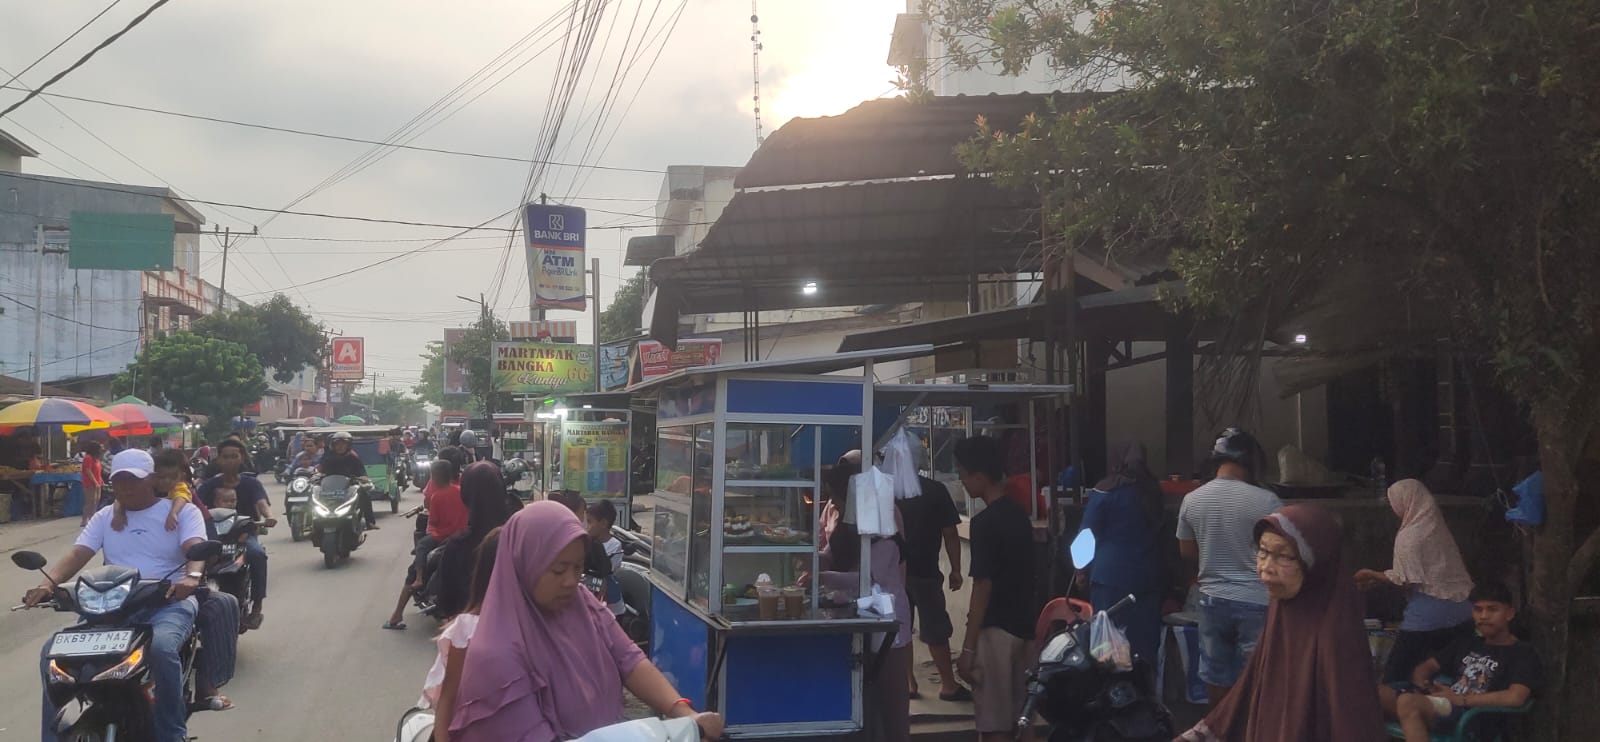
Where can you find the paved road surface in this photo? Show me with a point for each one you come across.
(320, 668)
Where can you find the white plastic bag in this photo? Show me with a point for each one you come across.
(683, 729)
(900, 462)
(872, 500)
(879, 603)
(1108, 645)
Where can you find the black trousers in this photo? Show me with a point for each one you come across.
(1412, 648)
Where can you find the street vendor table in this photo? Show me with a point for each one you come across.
(47, 484)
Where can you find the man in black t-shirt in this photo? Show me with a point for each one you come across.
(1492, 668)
(342, 460)
(994, 657)
(930, 522)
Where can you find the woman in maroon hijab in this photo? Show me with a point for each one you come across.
(1311, 676)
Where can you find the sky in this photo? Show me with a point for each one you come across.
(364, 69)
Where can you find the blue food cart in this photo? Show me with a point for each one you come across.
(740, 454)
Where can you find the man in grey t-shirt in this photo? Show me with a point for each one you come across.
(1216, 527)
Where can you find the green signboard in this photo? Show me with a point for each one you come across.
(534, 367)
(120, 242)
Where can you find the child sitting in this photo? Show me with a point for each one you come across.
(171, 481)
(1491, 668)
(227, 497)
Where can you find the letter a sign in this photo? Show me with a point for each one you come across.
(347, 361)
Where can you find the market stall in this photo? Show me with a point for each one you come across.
(738, 623)
(34, 482)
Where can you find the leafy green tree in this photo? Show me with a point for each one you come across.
(625, 315)
(398, 408)
(279, 333)
(1451, 146)
(431, 388)
(472, 354)
(197, 374)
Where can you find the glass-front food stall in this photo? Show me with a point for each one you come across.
(738, 622)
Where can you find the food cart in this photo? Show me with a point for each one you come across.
(740, 456)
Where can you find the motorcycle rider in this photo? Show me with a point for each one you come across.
(145, 545)
(309, 456)
(252, 501)
(341, 460)
(447, 516)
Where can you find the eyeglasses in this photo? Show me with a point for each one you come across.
(1264, 556)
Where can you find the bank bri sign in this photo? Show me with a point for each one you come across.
(555, 244)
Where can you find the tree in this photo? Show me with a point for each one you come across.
(1270, 145)
(282, 336)
(395, 407)
(198, 374)
(472, 354)
(431, 388)
(622, 319)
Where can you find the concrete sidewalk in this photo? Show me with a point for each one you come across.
(29, 533)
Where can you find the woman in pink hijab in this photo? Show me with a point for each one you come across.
(548, 661)
(1428, 566)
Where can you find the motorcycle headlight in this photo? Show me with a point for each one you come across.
(1057, 648)
(96, 602)
(321, 509)
(344, 507)
(300, 486)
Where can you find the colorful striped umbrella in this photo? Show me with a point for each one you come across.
(55, 411)
(141, 419)
(315, 422)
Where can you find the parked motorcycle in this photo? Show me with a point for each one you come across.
(427, 599)
(634, 577)
(298, 502)
(1084, 700)
(98, 679)
(230, 571)
(337, 525)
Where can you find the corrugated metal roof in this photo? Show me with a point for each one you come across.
(891, 138)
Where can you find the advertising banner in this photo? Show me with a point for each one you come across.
(542, 368)
(347, 360)
(655, 360)
(555, 245)
(120, 242)
(614, 365)
(594, 458)
(455, 376)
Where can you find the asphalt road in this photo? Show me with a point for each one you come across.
(319, 668)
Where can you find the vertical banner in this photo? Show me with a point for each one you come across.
(455, 377)
(594, 458)
(614, 365)
(555, 242)
(347, 360)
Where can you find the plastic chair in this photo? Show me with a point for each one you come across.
(1465, 730)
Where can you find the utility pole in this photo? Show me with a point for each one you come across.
(38, 305)
(227, 242)
(594, 273)
(374, 405)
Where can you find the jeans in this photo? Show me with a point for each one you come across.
(1229, 630)
(255, 555)
(170, 626)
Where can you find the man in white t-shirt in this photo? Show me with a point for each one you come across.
(144, 544)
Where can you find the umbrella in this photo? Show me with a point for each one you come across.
(316, 422)
(141, 419)
(130, 399)
(351, 420)
(55, 411)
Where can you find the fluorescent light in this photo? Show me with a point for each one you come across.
(809, 288)
(588, 407)
(1301, 339)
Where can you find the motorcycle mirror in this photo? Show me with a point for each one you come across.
(29, 560)
(203, 551)
(1083, 549)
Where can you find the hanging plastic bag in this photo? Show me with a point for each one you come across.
(872, 502)
(1530, 502)
(1108, 645)
(900, 462)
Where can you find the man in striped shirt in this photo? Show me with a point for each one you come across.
(1216, 527)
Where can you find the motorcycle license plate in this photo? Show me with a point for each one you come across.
(76, 643)
(299, 498)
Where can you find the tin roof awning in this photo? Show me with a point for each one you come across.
(814, 365)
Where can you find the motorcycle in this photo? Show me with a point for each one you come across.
(634, 578)
(427, 599)
(98, 679)
(298, 502)
(230, 572)
(337, 525)
(1084, 700)
(421, 461)
(403, 467)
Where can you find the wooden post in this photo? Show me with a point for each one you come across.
(1180, 397)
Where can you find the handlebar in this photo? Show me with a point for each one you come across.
(1121, 604)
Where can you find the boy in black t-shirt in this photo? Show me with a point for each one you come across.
(995, 655)
(1492, 668)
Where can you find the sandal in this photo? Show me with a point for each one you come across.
(214, 703)
(392, 626)
(252, 621)
(960, 696)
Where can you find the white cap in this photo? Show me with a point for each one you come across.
(133, 461)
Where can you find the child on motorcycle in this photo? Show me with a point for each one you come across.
(171, 481)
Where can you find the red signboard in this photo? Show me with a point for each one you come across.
(347, 360)
(655, 360)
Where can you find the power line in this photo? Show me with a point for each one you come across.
(85, 58)
(73, 35)
(31, 308)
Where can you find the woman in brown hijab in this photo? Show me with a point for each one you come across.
(1311, 676)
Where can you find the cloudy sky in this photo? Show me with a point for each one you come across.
(364, 69)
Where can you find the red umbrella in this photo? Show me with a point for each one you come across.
(141, 419)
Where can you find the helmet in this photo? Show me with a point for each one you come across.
(514, 469)
(339, 436)
(1237, 446)
(469, 439)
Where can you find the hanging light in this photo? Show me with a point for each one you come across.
(809, 288)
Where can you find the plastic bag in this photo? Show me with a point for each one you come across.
(682, 729)
(871, 504)
(900, 462)
(1108, 645)
(1530, 502)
